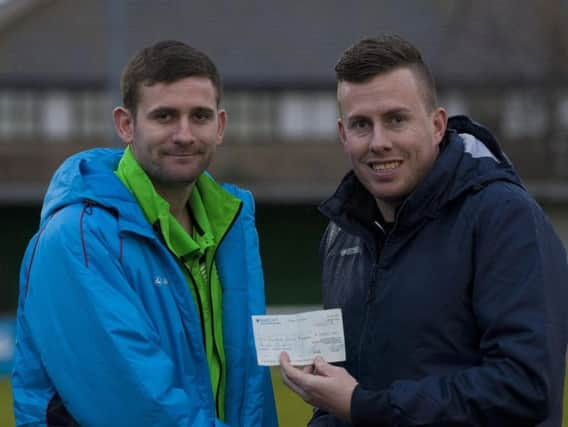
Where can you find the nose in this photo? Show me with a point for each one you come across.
(183, 133)
(380, 140)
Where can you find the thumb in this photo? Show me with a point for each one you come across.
(284, 359)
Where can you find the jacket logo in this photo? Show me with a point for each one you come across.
(160, 281)
(350, 251)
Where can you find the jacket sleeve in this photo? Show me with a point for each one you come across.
(518, 286)
(96, 342)
(240, 269)
(258, 305)
(269, 415)
(320, 418)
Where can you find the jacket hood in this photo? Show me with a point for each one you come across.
(89, 176)
(469, 160)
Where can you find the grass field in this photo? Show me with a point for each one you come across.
(292, 411)
(6, 416)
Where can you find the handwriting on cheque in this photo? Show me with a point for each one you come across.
(303, 336)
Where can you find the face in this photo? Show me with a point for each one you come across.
(175, 132)
(391, 137)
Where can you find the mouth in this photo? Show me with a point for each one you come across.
(181, 154)
(384, 166)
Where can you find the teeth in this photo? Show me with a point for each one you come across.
(385, 166)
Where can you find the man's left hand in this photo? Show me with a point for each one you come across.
(321, 385)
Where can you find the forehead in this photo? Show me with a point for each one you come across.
(396, 89)
(188, 92)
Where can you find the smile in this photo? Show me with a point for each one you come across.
(379, 167)
(182, 154)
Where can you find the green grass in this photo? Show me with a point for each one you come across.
(292, 411)
(6, 414)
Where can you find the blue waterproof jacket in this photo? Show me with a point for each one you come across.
(107, 330)
(457, 316)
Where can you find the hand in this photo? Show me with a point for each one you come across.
(321, 385)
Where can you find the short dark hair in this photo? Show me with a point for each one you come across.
(166, 61)
(378, 55)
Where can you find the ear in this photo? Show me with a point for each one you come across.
(124, 124)
(439, 123)
(341, 132)
(221, 124)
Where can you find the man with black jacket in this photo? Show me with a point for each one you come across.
(451, 280)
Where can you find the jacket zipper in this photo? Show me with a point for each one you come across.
(198, 300)
(203, 272)
(208, 281)
(371, 291)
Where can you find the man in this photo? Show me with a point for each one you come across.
(137, 291)
(451, 280)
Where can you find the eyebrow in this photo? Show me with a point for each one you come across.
(390, 112)
(173, 110)
(397, 110)
(357, 117)
(161, 109)
(202, 109)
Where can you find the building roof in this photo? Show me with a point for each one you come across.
(11, 10)
(280, 42)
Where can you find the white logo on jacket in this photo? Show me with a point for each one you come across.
(159, 281)
(350, 251)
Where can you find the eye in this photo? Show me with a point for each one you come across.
(162, 116)
(396, 119)
(359, 124)
(201, 116)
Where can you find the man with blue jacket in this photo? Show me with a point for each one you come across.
(136, 293)
(452, 282)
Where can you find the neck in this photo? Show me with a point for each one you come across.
(388, 210)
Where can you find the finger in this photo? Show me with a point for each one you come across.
(296, 376)
(293, 374)
(309, 369)
(284, 358)
(285, 365)
(323, 368)
(285, 378)
(294, 387)
(290, 383)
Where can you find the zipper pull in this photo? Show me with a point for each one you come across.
(203, 268)
(380, 227)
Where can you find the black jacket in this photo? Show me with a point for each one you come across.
(457, 316)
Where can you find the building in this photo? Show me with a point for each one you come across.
(60, 64)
